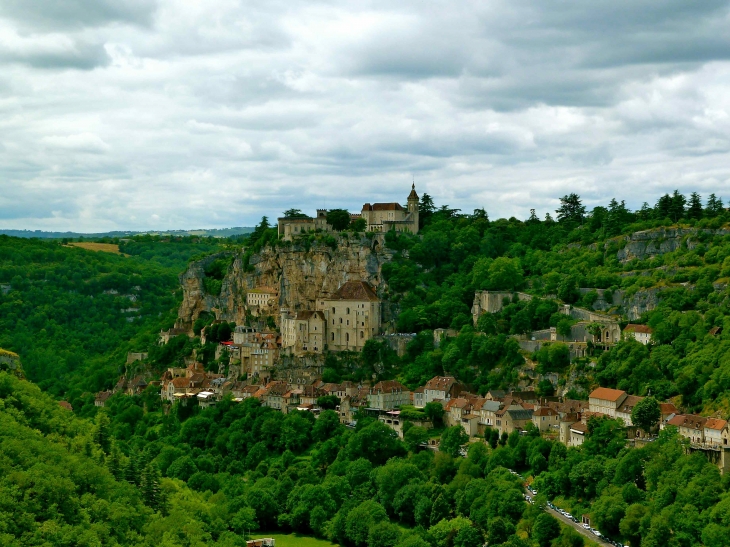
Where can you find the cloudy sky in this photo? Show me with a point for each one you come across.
(149, 114)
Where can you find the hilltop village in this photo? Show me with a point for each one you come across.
(281, 363)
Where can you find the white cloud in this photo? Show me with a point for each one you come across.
(170, 114)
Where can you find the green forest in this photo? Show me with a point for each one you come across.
(135, 474)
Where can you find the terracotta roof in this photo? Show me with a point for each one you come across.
(181, 382)
(643, 329)
(667, 409)
(355, 290)
(382, 207)
(456, 403)
(545, 411)
(419, 389)
(606, 394)
(441, 383)
(65, 404)
(579, 426)
(715, 423)
(677, 421)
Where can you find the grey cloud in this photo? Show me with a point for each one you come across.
(74, 14)
(216, 114)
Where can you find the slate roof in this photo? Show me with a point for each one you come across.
(382, 207)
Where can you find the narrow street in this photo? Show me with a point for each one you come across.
(575, 525)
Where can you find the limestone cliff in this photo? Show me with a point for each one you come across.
(299, 272)
(659, 241)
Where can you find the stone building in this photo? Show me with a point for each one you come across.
(303, 332)
(290, 227)
(388, 394)
(260, 299)
(606, 401)
(641, 333)
(352, 315)
(383, 217)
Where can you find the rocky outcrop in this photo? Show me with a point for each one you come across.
(659, 241)
(10, 362)
(299, 272)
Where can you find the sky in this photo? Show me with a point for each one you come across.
(180, 114)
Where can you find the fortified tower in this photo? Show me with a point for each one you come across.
(413, 207)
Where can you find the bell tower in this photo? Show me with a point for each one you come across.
(413, 208)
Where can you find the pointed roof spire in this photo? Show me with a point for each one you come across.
(413, 194)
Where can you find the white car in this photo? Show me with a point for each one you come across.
(586, 526)
(596, 532)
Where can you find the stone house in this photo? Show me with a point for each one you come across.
(101, 398)
(690, 427)
(418, 397)
(274, 398)
(136, 385)
(546, 418)
(641, 333)
(261, 299)
(716, 432)
(442, 388)
(352, 315)
(606, 401)
(578, 432)
(488, 413)
(303, 332)
(388, 395)
(626, 407)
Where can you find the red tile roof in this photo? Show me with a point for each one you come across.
(643, 329)
(606, 394)
(715, 423)
(382, 207)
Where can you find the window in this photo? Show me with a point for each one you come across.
(333, 310)
(348, 322)
(333, 336)
(362, 334)
(348, 311)
(347, 337)
(340, 320)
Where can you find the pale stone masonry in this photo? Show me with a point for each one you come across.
(352, 316)
(606, 401)
(388, 394)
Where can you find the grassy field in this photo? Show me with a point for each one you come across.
(293, 540)
(103, 247)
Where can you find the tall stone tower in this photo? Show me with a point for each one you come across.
(413, 207)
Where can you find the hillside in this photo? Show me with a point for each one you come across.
(72, 315)
(192, 474)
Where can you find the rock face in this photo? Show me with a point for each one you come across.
(659, 241)
(300, 274)
(10, 362)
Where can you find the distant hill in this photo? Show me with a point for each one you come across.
(212, 232)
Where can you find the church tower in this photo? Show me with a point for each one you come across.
(413, 208)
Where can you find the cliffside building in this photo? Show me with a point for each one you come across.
(383, 217)
(352, 315)
(303, 331)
